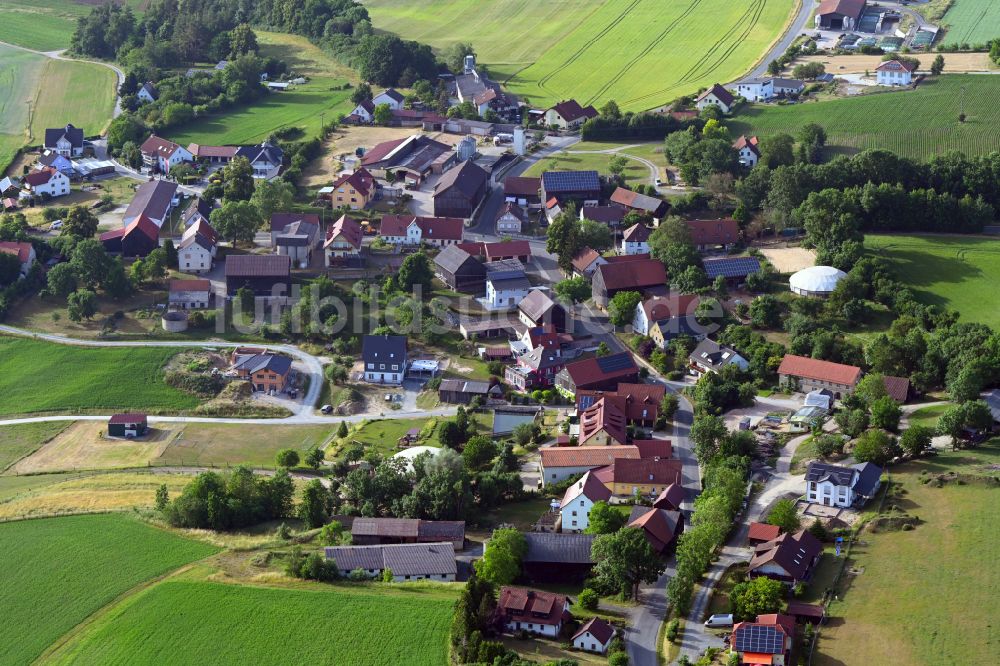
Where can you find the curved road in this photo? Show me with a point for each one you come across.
(795, 29)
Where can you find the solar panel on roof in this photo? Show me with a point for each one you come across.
(614, 362)
(762, 639)
(556, 181)
(731, 267)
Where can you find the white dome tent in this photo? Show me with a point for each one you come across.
(816, 281)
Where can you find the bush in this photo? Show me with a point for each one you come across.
(673, 630)
(588, 599)
(618, 659)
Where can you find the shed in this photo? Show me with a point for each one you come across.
(128, 425)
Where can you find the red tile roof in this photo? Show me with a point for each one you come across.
(792, 552)
(435, 228)
(585, 258)
(747, 142)
(145, 226)
(205, 152)
(585, 456)
(654, 448)
(379, 151)
(714, 232)
(190, 285)
(850, 8)
(531, 605)
(637, 233)
(763, 532)
(607, 414)
(588, 486)
(598, 628)
(158, 146)
(671, 497)
(638, 398)
(633, 274)
(522, 186)
(360, 180)
(660, 524)
(588, 371)
(813, 368)
(39, 177)
(347, 227)
(21, 250)
(898, 388)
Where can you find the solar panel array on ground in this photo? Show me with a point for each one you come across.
(922, 39)
(731, 267)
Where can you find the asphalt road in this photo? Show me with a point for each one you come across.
(799, 23)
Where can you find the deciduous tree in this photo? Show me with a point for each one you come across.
(624, 560)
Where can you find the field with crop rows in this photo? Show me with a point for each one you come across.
(917, 123)
(190, 622)
(641, 53)
(60, 570)
(972, 22)
(47, 377)
(45, 25)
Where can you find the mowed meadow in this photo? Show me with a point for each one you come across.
(58, 571)
(641, 53)
(242, 624)
(917, 123)
(43, 377)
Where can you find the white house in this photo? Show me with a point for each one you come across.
(413, 230)
(195, 253)
(579, 499)
(510, 219)
(748, 149)
(834, 485)
(391, 97)
(569, 114)
(46, 181)
(659, 308)
(25, 253)
(895, 73)
(161, 155)
(363, 112)
(189, 294)
(66, 141)
(710, 356)
(533, 611)
(715, 96)
(755, 90)
(506, 284)
(265, 159)
(147, 93)
(635, 240)
(594, 636)
(384, 357)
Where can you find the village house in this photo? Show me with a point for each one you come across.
(267, 373)
(412, 230)
(460, 190)
(384, 358)
(568, 114)
(714, 235)
(128, 425)
(154, 199)
(160, 155)
(710, 356)
(355, 190)
(536, 369)
(635, 240)
(138, 239)
(199, 210)
(460, 270)
(557, 558)
(661, 527)
(268, 276)
(641, 275)
(598, 373)
(671, 499)
(506, 284)
(364, 112)
(343, 242)
(510, 219)
(66, 141)
(582, 186)
(295, 236)
(462, 391)
(641, 402)
(651, 312)
(787, 87)
(840, 486)
(389, 96)
(559, 463)
(639, 203)
(147, 93)
(189, 294)
(412, 158)
(9, 186)
(512, 249)
(197, 249)
(44, 182)
(578, 500)
(748, 149)
(716, 96)
(603, 423)
(898, 388)
(594, 636)
(25, 253)
(538, 309)
(629, 477)
(664, 331)
(801, 373)
(536, 612)
(766, 642)
(379, 531)
(789, 558)
(212, 155)
(587, 261)
(895, 73)
(53, 160)
(407, 562)
(759, 89)
(609, 215)
(523, 191)
(265, 159)
(733, 269)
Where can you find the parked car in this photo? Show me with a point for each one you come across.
(719, 620)
(326, 409)
(56, 225)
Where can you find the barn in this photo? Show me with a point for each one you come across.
(839, 14)
(127, 425)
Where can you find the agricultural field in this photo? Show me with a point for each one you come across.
(635, 172)
(901, 605)
(90, 379)
(220, 444)
(597, 50)
(68, 568)
(240, 624)
(956, 272)
(971, 22)
(23, 439)
(85, 445)
(300, 106)
(917, 123)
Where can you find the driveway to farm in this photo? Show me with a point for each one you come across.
(305, 415)
(795, 29)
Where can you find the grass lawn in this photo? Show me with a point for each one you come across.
(522, 515)
(220, 444)
(18, 441)
(545, 650)
(971, 21)
(84, 445)
(927, 416)
(652, 151)
(917, 123)
(239, 624)
(636, 172)
(47, 377)
(67, 568)
(956, 272)
(597, 50)
(383, 434)
(929, 595)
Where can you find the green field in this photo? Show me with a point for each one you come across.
(641, 53)
(60, 570)
(636, 172)
(23, 439)
(299, 106)
(917, 123)
(222, 444)
(972, 22)
(182, 622)
(926, 596)
(956, 272)
(927, 416)
(48, 377)
(45, 25)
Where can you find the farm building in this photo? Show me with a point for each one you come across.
(408, 561)
(460, 191)
(661, 526)
(189, 294)
(138, 239)
(611, 215)
(816, 281)
(377, 531)
(462, 391)
(555, 557)
(412, 157)
(128, 425)
(267, 275)
(639, 203)
(523, 191)
(604, 373)
(460, 271)
(734, 269)
(154, 199)
(642, 275)
(839, 14)
(811, 374)
(895, 73)
(560, 463)
(714, 235)
(566, 185)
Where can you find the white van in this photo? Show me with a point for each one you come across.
(719, 620)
